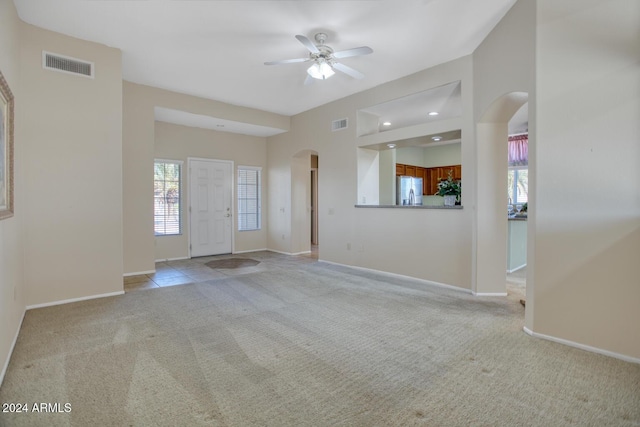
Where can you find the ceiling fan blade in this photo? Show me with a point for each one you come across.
(356, 51)
(308, 44)
(286, 61)
(348, 70)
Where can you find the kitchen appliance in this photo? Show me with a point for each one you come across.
(409, 191)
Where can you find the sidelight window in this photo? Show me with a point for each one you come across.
(249, 209)
(167, 196)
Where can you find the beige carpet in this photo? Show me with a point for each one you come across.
(301, 343)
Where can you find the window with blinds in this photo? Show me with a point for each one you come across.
(249, 214)
(167, 197)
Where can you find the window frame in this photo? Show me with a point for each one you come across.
(180, 164)
(514, 188)
(240, 212)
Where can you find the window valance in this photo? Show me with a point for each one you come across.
(519, 150)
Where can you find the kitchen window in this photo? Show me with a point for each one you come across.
(518, 185)
(249, 209)
(167, 197)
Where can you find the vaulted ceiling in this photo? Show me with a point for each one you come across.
(217, 49)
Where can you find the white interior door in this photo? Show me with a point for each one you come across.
(210, 216)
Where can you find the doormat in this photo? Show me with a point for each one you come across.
(232, 263)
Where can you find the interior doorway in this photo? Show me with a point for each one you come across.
(314, 200)
(491, 227)
(518, 203)
(305, 221)
(210, 207)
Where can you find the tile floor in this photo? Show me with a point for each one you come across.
(194, 270)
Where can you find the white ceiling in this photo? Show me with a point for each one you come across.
(217, 49)
(414, 109)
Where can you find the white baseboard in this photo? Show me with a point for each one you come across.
(517, 268)
(582, 346)
(250, 250)
(489, 294)
(301, 253)
(67, 301)
(138, 273)
(400, 276)
(280, 252)
(180, 258)
(13, 344)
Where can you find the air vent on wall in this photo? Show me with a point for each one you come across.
(65, 64)
(339, 124)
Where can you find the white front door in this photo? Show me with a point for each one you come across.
(210, 217)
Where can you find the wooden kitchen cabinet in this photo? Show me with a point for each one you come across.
(457, 172)
(433, 180)
(436, 174)
(430, 176)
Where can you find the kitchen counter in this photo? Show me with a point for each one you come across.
(518, 218)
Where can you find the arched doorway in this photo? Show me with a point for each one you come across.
(304, 200)
(492, 168)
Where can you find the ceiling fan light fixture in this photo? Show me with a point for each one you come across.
(321, 70)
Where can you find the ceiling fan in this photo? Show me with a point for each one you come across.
(324, 59)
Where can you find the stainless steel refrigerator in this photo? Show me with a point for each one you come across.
(409, 191)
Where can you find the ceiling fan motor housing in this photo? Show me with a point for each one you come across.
(324, 51)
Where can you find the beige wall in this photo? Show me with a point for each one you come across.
(139, 149)
(587, 208)
(12, 292)
(578, 63)
(370, 237)
(504, 69)
(176, 142)
(443, 155)
(72, 142)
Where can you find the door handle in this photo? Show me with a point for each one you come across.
(227, 215)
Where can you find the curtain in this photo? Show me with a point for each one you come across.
(519, 150)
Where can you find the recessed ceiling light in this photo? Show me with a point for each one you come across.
(433, 113)
(391, 145)
(436, 138)
(386, 124)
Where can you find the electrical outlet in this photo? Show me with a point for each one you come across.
(348, 246)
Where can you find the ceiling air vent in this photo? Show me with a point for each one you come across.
(65, 64)
(339, 124)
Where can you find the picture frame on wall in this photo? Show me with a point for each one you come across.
(6, 149)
